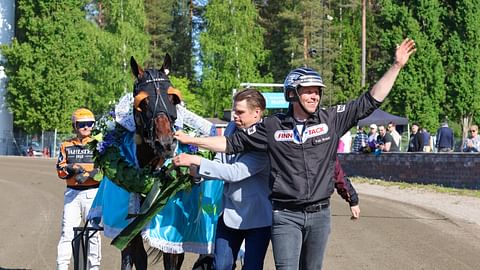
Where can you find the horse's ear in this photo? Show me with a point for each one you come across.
(167, 62)
(136, 68)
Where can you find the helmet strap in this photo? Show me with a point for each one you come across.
(320, 93)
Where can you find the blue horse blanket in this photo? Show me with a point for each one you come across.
(187, 223)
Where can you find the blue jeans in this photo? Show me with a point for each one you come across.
(299, 238)
(228, 242)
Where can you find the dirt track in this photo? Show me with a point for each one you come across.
(389, 235)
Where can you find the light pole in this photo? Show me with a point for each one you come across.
(364, 40)
(325, 18)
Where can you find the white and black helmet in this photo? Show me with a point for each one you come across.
(300, 77)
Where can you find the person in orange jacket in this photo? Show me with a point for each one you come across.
(75, 165)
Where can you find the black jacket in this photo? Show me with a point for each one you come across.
(416, 142)
(302, 171)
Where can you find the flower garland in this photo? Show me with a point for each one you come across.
(108, 158)
(158, 186)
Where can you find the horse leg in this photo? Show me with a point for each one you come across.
(173, 261)
(127, 263)
(134, 254)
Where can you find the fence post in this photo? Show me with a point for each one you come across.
(54, 144)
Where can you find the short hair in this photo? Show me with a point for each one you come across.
(474, 127)
(253, 97)
(391, 123)
(416, 124)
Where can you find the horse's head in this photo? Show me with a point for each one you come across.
(154, 112)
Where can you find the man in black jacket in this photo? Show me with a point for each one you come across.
(416, 139)
(301, 146)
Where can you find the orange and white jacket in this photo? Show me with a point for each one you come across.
(75, 152)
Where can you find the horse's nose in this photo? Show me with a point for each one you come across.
(164, 147)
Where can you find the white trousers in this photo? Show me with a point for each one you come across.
(76, 206)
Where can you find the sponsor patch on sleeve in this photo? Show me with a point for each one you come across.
(340, 108)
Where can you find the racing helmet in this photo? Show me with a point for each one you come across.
(301, 76)
(82, 115)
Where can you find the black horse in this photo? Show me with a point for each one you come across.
(154, 114)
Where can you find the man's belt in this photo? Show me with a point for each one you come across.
(312, 208)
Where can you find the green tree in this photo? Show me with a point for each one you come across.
(462, 61)
(46, 67)
(276, 35)
(159, 25)
(298, 34)
(232, 51)
(346, 67)
(61, 60)
(192, 101)
(183, 37)
(419, 91)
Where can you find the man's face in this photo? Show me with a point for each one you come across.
(390, 128)
(243, 116)
(84, 129)
(373, 130)
(414, 129)
(309, 97)
(382, 131)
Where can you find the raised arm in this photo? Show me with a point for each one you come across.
(381, 89)
(215, 143)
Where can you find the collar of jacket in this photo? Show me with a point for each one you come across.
(83, 141)
(290, 120)
(232, 128)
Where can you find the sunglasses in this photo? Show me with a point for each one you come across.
(85, 124)
(472, 130)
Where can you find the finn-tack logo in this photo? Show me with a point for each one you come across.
(283, 135)
(292, 136)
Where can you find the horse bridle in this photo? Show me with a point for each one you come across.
(150, 139)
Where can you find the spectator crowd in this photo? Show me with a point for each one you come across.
(388, 139)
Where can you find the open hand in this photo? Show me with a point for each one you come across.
(182, 137)
(404, 50)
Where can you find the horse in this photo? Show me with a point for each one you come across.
(154, 114)
(187, 222)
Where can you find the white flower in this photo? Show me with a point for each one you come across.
(110, 125)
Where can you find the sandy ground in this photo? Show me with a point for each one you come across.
(457, 207)
(398, 228)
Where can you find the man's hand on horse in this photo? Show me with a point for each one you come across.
(186, 160)
(183, 137)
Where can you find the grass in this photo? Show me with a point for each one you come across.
(430, 187)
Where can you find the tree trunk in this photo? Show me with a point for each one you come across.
(305, 45)
(466, 123)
